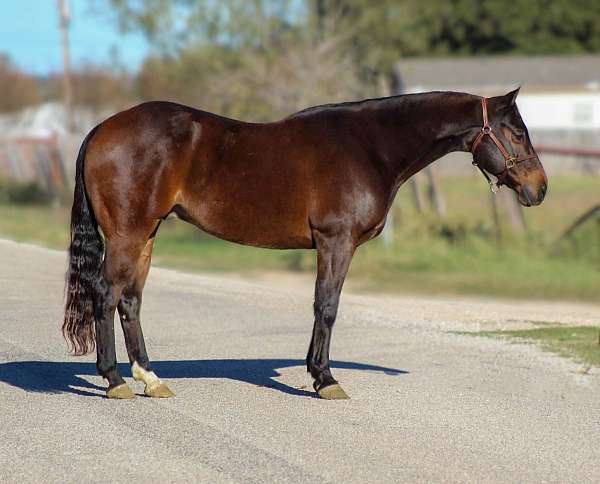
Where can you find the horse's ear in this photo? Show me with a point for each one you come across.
(510, 99)
(506, 103)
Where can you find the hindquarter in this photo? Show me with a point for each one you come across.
(134, 167)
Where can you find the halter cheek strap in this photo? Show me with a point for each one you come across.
(509, 160)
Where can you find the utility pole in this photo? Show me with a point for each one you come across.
(64, 16)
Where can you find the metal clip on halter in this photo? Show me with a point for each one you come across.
(494, 188)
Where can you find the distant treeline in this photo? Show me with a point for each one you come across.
(95, 87)
(259, 59)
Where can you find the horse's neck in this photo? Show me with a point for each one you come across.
(413, 131)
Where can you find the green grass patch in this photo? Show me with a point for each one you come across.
(41, 225)
(182, 246)
(519, 269)
(579, 343)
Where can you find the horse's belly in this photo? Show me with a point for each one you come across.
(246, 224)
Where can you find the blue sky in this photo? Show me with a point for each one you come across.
(29, 34)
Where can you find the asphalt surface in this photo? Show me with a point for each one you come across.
(427, 404)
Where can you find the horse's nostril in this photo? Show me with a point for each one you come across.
(542, 192)
(527, 196)
(533, 196)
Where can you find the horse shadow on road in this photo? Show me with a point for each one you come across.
(67, 377)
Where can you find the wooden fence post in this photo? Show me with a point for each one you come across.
(415, 190)
(496, 216)
(435, 194)
(514, 211)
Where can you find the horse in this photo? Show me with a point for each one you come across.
(323, 178)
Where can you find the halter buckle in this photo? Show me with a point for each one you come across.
(510, 162)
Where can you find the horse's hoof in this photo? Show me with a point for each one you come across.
(158, 391)
(121, 391)
(333, 392)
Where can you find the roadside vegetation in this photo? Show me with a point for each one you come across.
(579, 343)
(459, 255)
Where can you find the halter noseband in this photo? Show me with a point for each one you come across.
(509, 160)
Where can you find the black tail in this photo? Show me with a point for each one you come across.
(85, 258)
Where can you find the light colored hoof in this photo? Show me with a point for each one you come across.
(158, 391)
(333, 392)
(154, 387)
(121, 391)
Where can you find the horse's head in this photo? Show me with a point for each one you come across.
(503, 148)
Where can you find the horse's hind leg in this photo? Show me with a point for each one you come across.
(106, 295)
(334, 254)
(129, 311)
(118, 270)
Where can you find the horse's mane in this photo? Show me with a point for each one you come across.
(365, 103)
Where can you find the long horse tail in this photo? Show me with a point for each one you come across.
(86, 253)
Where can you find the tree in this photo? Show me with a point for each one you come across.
(18, 89)
(471, 27)
(386, 30)
(247, 59)
(96, 87)
(261, 58)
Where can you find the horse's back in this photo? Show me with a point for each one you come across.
(244, 182)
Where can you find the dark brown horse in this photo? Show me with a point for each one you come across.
(323, 178)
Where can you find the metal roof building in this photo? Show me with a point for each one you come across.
(485, 75)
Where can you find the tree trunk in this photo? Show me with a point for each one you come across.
(434, 193)
(514, 211)
(383, 87)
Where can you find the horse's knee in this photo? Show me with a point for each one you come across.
(326, 312)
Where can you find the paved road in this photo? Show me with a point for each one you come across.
(427, 404)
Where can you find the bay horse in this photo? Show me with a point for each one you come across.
(323, 178)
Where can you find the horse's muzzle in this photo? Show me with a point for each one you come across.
(529, 196)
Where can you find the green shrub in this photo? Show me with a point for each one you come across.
(22, 193)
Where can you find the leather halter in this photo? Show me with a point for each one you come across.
(509, 160)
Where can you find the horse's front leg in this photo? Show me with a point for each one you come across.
(334, 254)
